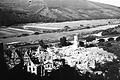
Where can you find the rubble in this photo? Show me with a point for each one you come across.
(85, 59)
(82, 59)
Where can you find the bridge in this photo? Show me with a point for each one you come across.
(107, 38)
(102, 39)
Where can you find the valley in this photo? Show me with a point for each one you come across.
(26, 33)
(59, 40)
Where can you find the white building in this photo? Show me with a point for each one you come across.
(31, 67)
(75, 43)
(26, 58)
(48, 65)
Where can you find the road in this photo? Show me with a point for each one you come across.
(54, 36)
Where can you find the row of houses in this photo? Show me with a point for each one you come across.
(41, 61)
(45, 62)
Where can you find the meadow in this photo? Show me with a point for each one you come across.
(55, 36)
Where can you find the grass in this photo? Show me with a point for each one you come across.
(53, 36)
(72, 24)
(5, 33)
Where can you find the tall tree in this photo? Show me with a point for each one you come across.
(63, 41)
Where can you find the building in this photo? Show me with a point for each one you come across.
(75, 43)
(31, 67)
(57, 63)
(48, 65)
(26, 58)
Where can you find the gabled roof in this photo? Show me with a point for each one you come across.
(48, 62)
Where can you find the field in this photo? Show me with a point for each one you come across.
(13, 33)
(5, 32)
(54, 36)
(72, 24)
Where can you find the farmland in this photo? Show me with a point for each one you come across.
(54, 36)
(48, 31)
(6, 32)
(73, 24)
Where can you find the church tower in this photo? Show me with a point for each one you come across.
(75, 44)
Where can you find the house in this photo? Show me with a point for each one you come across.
(48, 65)
(15, 58)
(31, 67)
(26, 58)
(57, 63)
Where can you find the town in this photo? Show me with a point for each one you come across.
(59, 40)
(83, 55)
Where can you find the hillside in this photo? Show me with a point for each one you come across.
(24, 11)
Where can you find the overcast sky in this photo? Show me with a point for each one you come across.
(112, 2)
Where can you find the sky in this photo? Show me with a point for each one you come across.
(111, 2)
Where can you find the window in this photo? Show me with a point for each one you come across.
(29, 68)
(29, 64)
(33, 69)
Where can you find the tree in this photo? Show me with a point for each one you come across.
(81, 44)
(81, 25)
(66, 28)
(105, 32)
(90, 45)
(101, 40)
(42, 44)
(63, 41)
(111, 39)
(114, 32)
(118, 38)
(109, 22)
(36, 33)
(110, 31)
(24, 35)
(90, 38)
(108, 45)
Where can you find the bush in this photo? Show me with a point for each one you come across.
(101, 44)
(118, 38)
(63, 41)
(101, 40)
(90, 45)
(90, 38)
(25, 35)
(108, 45)
(66, 28)
(81, 44)
(105, 32)
(110, 31)
(22, 35)
(42, 44)
(87, 27)
(36, 33)
(111, 39)
(69, 43)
